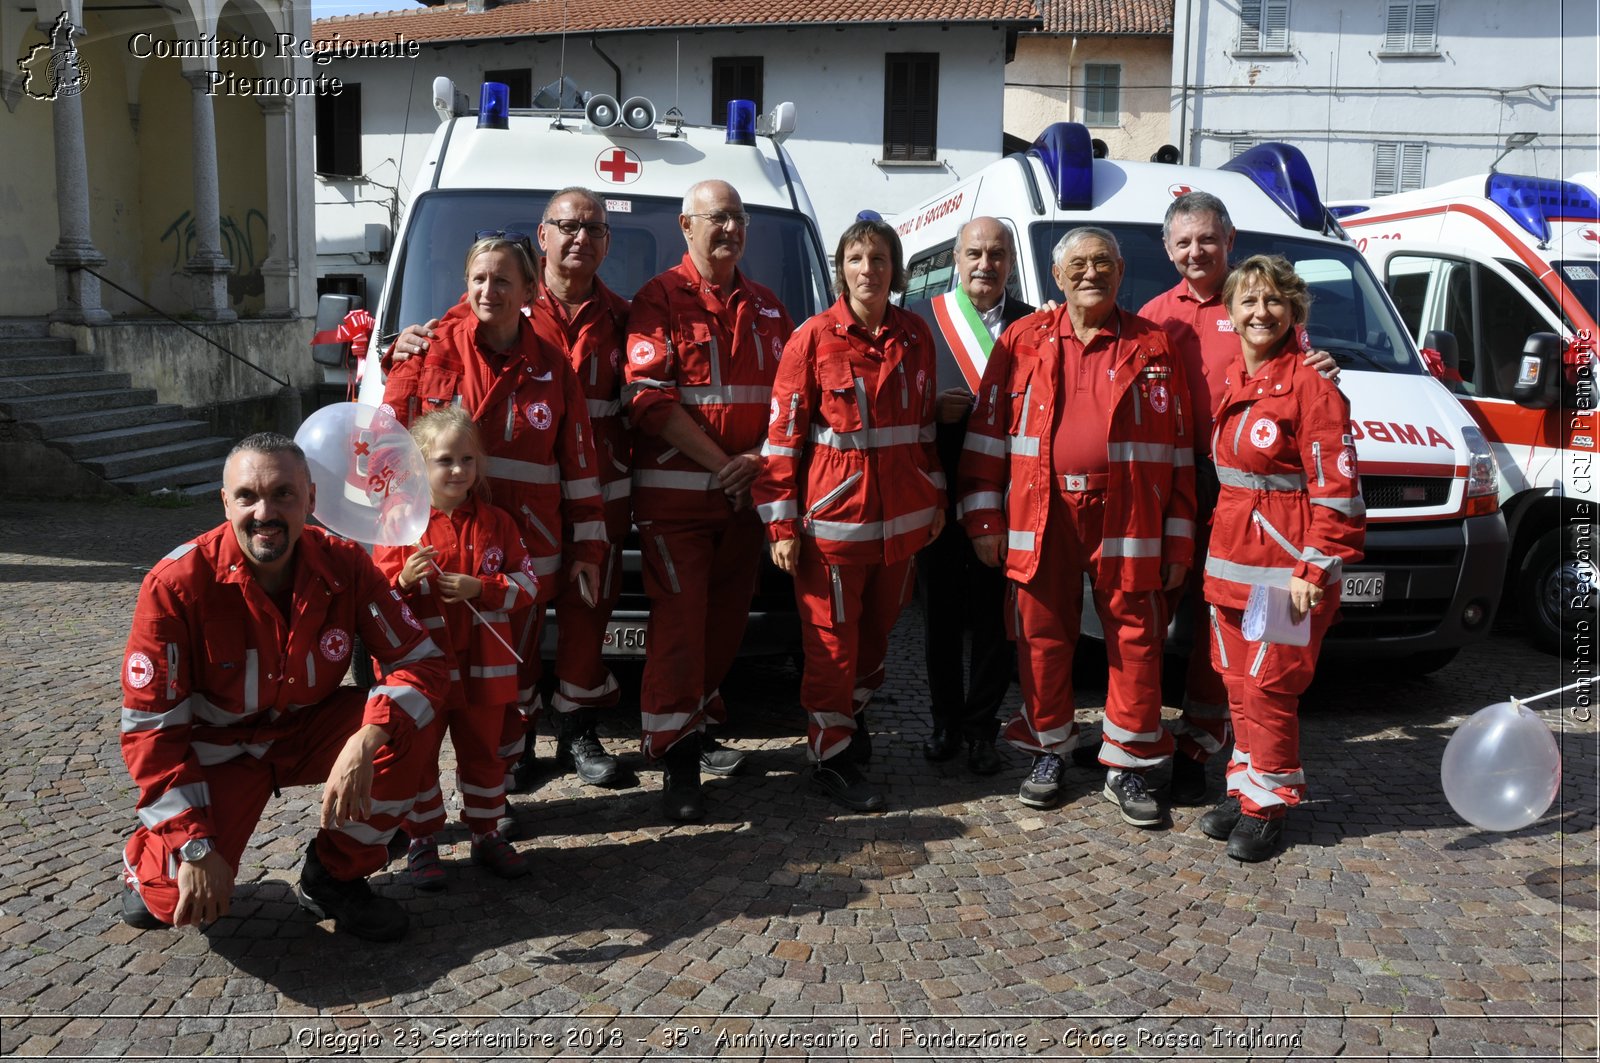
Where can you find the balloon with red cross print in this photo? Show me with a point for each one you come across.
(371, 479)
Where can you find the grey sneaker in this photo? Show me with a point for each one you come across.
(718, 759)
(1133, 800)
(1042, 787)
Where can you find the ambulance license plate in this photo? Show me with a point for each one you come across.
(1362, 588)
(625, 638)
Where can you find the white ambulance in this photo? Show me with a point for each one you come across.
(495, 169)
(1501, 273)
(1436, 542)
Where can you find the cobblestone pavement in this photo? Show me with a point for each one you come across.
(959, 925)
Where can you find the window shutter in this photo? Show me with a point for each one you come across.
(1383, 170)
(1250, 25)
(1425, 26)
(1397, 26)
(1275, 26)
(1237, 148)
(1412, 157)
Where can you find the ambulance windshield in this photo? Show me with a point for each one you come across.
(1350, 319)
(1583, 280)
(781, 250)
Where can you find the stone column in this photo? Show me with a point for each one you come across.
(209, 266)
(280, 269)
(77, 292)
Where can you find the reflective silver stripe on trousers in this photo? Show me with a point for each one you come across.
(175, 802)
(1178, 528)
(499, 671)
(527, 472)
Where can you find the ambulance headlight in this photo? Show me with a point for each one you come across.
(1483, 476)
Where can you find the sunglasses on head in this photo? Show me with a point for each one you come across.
(505, 234)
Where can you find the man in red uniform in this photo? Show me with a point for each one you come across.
(958, 593)
(1078, 461)
(231, 689)
(703, 348)
(577, 314)
(1198, 236)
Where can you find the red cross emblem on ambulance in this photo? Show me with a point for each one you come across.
(619, 166)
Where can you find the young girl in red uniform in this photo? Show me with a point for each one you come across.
(470, 552)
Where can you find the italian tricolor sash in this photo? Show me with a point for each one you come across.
(963, 330)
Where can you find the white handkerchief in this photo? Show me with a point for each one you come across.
(1267, 618)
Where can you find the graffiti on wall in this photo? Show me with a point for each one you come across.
(240, 243)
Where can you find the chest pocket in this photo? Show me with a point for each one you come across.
(841, 401)
(1019, 390)
(229, 668)
(437, 386)
(697, 352)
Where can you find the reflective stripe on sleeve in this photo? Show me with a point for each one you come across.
(1252, 481)
(1130, 547)
(769, 450)
(1232, 571)
(589, 531)
(787, 509)
(411, 701)
(527, 472)
(982, 444)
(604, 407)
(1178, 528)
(725, 395)
(1350, 507)
(676, 479)
(1027, 446)
(979, 500)
(584, 487)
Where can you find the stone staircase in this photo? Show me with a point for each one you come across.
(53, 396)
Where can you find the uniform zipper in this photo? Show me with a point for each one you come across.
(172, 671)
(583, 462)
(538, 525)
(844, 485)
(511, 414)
(994, 397)
(666, 561)
(1316, 459)
(761, 354)
(794, 408)
(838, 593)
(377, 614)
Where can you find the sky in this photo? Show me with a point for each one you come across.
(329, 8)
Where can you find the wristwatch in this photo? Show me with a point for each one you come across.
(194, 849)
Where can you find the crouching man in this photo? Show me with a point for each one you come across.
(231, 690)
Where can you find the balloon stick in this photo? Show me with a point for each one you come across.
(486, 625)
(1560, 690)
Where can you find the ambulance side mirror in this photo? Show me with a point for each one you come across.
(1538, 385)
(1445, 343)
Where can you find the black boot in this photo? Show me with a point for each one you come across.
(681, 796)
(861, 743)
(578, 749)
(1188, 785)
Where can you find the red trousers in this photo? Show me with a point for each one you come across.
(1203, 728)
(239, 789)
(519, 722)
(475, 732)
(1048, 622)
(700, 576)
(583, 680)
(846, 614)
(1265, 681)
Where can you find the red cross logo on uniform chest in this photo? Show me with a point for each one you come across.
(619, 166)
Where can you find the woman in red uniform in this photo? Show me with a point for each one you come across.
(1290, 515)
(850, 489)
(534, 422)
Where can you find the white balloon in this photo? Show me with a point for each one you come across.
(1501, 768)
(372, 481)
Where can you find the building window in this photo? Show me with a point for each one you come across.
(339, 132)
(1237, 148)
(1102, 93)
(1398, 167)
(735, 77)
(1264, 25)
(1411, 27)
(911, 107)
(520, 82)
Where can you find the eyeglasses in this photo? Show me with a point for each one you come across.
(596, 230)
(1077, 267)
(723, 218)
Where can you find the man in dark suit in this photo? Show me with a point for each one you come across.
(957, 591)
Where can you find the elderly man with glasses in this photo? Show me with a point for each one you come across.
(703, 348)
(1082, 414)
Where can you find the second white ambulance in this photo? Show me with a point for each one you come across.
(1436, 541)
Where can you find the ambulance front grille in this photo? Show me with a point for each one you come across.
(1404, 492)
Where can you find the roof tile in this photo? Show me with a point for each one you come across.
(521, 18)
(1138, 18)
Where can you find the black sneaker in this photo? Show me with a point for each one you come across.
(1188, 785)
(718, 759)
(682, 798)
(578, 750)
(841, 780)
(1133, 800)
(1042, 787)
(135, 914)
(1254, 838)
(982, 758)
(352, 905)
(1220, 821)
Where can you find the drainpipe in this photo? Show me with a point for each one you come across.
(1183, 108)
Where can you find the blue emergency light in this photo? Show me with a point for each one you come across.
(1346, 209)
(494, 105)
(1533, 201)
(742, 122)
(1282, 172)
(1066, 151)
